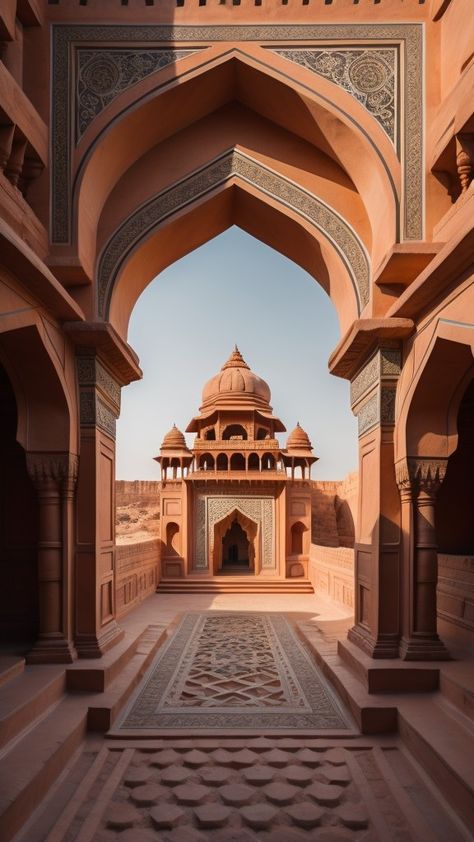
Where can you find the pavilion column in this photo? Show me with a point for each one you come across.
(419, 480)
(54, 477)
(378, 540)
(96, 628)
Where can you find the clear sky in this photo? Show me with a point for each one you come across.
(234, 290)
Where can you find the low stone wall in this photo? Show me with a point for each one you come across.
(456, 590)
(138, 568)
(331, 571)
(136, 492)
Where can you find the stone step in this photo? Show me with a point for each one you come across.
(389, 676)
(457, 685)
(10, 667)
(32, 764)
(95, 675)
(27, 696)
(373, 715)
(439, 740)
(104, 707)
(234, 584)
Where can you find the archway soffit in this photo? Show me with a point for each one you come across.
(67, 37)
(203, 181)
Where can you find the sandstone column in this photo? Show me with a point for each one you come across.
(54, 476)
(377, 544)
(96, 628)
(419, 480)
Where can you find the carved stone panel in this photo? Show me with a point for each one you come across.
(368, 74)
(209, 510)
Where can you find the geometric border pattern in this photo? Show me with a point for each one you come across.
(198, 184)
(409, 36)
(152, 706)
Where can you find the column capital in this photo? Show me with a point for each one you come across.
(421, 474)
(52, 467)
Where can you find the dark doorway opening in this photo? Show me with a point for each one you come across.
(235, 549)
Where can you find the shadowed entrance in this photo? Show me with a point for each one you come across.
(235, 549)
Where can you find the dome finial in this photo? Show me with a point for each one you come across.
(235, 360)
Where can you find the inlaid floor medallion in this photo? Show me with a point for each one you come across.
(234, 671)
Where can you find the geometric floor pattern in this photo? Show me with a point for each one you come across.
(244, 790)
(231, 671)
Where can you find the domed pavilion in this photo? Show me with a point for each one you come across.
(236, 507)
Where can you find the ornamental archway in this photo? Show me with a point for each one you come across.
(249, 527)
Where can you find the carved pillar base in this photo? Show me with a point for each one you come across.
(95, 645)
(384, 646)
(52, 649)
(420, 648)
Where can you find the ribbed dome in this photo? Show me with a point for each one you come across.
(236, 376)
(174, 440)
(298, 439)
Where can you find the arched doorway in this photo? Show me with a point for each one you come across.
(235, 549)
(19, 610)
(236, 544)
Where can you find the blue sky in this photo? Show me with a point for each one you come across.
(235, 289)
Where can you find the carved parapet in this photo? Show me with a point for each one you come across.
(99, 393)
(373, 389)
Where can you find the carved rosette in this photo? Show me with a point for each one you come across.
(373, 390)
(99, 394)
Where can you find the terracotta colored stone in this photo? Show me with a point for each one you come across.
(174, 775)
(144, 796)
(223, 757)
(309, 757)
(258, 816)
(336, 774)
(121, 816)
(280, 793)
(259, 775)
(166, 815)
(191, 794)
(137, 834)
(195, 758)
(137, 776)
(261, 744)
(212, 815)
(244, 758)
(353, 815)
(236, 794)
(336, 756)
(215, 775)
(325, 793)
(277, 758)
(299, 775)
(164, 758)
(305, 814)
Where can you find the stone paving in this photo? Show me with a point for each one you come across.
(244, 790)
(235, 671)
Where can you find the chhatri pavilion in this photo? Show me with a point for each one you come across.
(237, 503)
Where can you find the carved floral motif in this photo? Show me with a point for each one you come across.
(369, 75)
(102, 74)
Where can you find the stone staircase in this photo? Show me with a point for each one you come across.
(234, 584)
(430, 705)
(47, 711)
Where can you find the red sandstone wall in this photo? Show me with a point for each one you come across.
(138, 568)
(456, 595)
(334, 510)
(138, 492)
